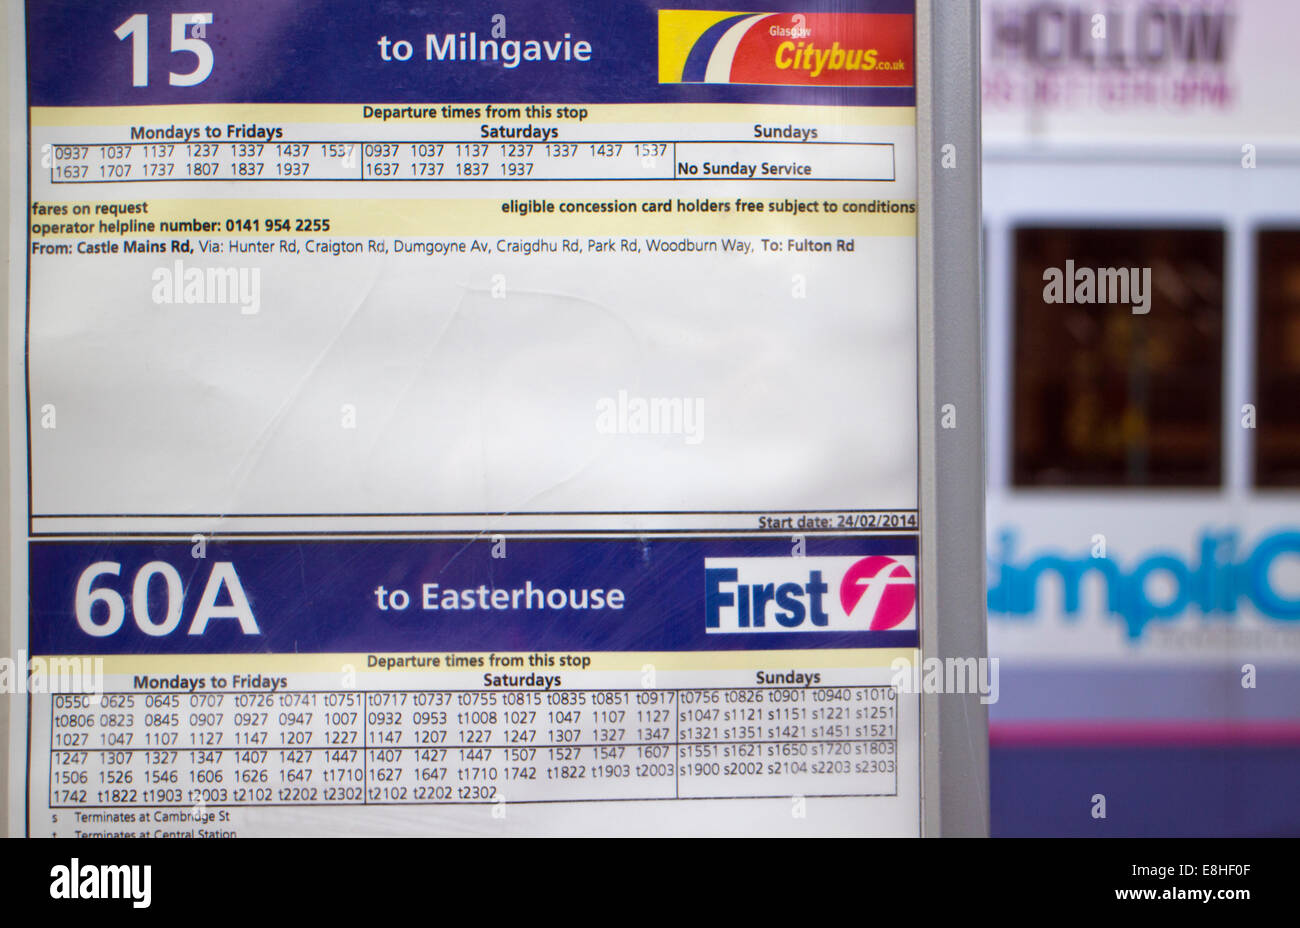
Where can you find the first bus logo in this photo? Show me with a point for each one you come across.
(809, 594)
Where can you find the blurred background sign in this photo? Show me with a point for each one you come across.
(1142, 248)
(1136, 72)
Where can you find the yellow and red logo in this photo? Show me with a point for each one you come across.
(804, 49)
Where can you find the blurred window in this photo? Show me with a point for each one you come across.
(1104, 396)
(1277, 357)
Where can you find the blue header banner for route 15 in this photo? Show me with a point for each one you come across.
(507, 413)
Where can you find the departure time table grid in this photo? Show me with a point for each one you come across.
(434, 160)
(435, 746)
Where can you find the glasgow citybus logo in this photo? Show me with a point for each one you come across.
(806, 49)
(809, 594)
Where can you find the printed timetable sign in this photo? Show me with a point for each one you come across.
(491, 420)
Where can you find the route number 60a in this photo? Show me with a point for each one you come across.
(102, 611)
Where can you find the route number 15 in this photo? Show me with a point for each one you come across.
(137, 27)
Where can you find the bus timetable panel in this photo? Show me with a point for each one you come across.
(509, 415)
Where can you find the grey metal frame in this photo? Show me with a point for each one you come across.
(954, 727)
(13, 194)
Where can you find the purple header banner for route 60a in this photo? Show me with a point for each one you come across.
(351, 596)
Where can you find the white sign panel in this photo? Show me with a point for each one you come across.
(403, 406)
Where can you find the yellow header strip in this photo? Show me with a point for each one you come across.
(626, 661)
(344, 113)
(436, 218)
